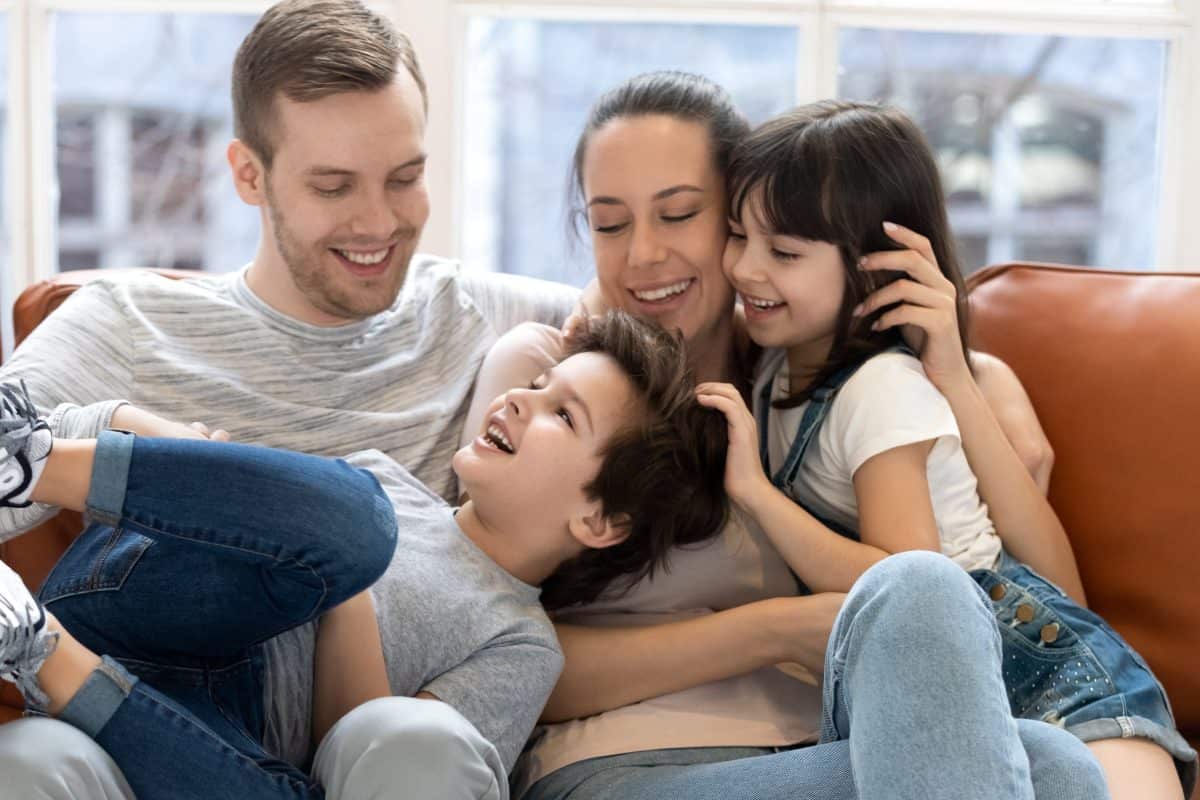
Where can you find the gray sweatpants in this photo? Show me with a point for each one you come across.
(389, 748)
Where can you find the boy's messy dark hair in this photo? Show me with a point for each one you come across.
(662, 476)
(834, 171)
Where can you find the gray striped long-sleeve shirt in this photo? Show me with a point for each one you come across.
(208, 349)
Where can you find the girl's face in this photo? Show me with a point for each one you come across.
(791, 288)
(656, 210)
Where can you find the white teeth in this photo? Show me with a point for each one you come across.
(664, 292)
(366, 259)
(758, 302)
(496, 435)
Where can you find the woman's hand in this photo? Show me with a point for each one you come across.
(744, 476)
(925, 305)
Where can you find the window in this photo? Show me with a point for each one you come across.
(525, 113)
(1049, 146)
(143, 117)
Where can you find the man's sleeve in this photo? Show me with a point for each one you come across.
(77, 361)
(502, 690)
(508, 300)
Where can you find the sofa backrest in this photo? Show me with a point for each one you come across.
(1111, 361)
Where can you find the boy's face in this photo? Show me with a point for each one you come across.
(344, 201)
(539, 446)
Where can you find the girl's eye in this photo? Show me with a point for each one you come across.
(566, 416)
(783, 255)
(679, 217)
(741, 237)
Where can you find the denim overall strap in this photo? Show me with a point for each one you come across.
(814, 416)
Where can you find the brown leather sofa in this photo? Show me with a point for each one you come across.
(1112, 363)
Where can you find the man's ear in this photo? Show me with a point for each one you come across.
(594, 530)
(249, 174)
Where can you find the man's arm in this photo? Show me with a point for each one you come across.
(508, 300)
(82, 354)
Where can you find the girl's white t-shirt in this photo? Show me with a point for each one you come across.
(887, 403)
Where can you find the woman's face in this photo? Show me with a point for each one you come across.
(656, 211)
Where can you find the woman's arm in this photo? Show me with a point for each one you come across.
(1024, 520)
(608, 668)
(349, 667)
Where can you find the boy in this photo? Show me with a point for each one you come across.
(585, 478)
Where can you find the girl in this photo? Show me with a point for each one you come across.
(862, 454)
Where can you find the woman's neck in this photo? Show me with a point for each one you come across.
(713, 354)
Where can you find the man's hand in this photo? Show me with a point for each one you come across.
(145, 423)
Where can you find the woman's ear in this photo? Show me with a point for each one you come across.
(594, 530)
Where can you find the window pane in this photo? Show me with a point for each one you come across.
(143, 117)
(525, 112)
(1049, 146)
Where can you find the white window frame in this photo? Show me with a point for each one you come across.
(438, 30)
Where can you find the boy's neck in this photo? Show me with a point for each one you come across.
(505, 550)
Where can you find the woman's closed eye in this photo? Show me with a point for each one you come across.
(679, 217)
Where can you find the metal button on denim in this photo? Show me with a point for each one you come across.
(1050, 633)
(997, 593)
(1025, 612)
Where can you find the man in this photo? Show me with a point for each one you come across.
(336, 338)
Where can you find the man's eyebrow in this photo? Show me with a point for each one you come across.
(573, 397)
(605, 200)
(323, 171)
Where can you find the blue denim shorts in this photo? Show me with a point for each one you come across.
(1066, 666)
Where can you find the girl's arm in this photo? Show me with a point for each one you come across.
(825, 560)
(608, 668)
(349, 667)
(1026, 523)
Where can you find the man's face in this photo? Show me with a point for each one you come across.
(539, 446)
(345, 202)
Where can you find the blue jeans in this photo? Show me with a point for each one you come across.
(914, 707)
(198, 552)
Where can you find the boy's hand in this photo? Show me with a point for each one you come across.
(744, 476)
(925, 305)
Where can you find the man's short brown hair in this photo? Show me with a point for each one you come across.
(662, 476)
(310, 49)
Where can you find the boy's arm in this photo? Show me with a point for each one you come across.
(502, 689)
(349, 667)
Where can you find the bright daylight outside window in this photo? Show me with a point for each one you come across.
(142, 119)
(1049, 146)
(526, 110)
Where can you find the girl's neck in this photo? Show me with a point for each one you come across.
(805, 361)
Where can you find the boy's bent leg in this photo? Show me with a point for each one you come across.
(45, 759)
(913, 681)
(405, 747)
(208, 548)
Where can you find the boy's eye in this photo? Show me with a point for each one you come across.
(566, 416)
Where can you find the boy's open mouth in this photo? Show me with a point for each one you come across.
(496, 437)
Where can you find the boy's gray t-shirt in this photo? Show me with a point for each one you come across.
(452, 621)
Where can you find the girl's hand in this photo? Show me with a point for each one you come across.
(927, 307)
(744, 476)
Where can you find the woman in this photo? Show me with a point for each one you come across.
(696, 649)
